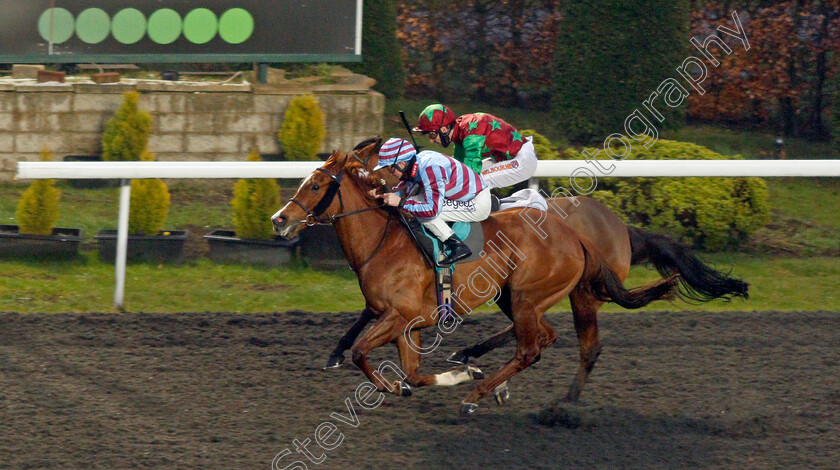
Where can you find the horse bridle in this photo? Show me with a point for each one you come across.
(365, 161)
(313, 217)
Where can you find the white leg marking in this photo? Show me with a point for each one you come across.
(453, 377)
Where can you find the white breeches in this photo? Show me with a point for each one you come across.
(509, 172)
(474, 210)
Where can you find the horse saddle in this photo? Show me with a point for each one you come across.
(469, 232)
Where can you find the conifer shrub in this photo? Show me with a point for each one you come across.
(302, 131)
(603, 72)
(150, 202)
(382, 59)
(254, 202)
(37, 211)
(834, 96)
(127, 132)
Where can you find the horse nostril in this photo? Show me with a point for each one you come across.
(279, 221)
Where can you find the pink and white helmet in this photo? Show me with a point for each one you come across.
(393, 151)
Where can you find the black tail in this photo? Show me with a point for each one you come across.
(603, 283)
(697, 281)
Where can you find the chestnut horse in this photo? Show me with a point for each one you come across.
(535, 270)
(621, 245)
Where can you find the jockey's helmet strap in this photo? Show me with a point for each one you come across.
(410, 170)
(444, 137)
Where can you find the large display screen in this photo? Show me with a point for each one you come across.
(53, 31)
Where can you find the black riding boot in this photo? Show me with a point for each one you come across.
(414, 224)
(457, 250)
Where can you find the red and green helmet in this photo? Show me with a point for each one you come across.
(434, 117)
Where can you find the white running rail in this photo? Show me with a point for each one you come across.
(126, 171)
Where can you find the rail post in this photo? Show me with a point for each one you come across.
(122, 243)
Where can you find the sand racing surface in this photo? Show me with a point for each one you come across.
(232, 391)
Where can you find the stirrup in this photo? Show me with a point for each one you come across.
(458, 250)
(452, 259)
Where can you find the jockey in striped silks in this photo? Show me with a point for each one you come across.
(436, 189)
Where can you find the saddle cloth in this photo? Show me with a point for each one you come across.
(469, 232)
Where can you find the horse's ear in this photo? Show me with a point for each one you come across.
(336, 158)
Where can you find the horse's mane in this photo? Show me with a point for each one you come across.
(366, 142)
(354, 168)
(353, 164)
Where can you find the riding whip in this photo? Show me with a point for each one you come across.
(408, 128)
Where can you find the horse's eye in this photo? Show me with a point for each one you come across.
(315, 187)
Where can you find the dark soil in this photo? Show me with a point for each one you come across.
(217, 390)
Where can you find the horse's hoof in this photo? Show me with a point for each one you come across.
(502, 393)
(458, 357)
(334, 361)
(475, 372)
(468, 408)
(405, 389)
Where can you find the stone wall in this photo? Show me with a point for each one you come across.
(192, 122)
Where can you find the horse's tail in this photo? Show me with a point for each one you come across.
(697, 281)
(601, 282)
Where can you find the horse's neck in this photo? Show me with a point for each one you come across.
(360, 234)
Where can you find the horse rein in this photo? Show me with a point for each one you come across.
(313, 217)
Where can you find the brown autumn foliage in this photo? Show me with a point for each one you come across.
(498, 51)
(501, 51)
(781, 82)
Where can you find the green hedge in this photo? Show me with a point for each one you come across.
(610, 56)
(710, 213)
(834, 96)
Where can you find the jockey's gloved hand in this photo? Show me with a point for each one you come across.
(391, 199)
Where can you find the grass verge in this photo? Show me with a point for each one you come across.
(87, 285)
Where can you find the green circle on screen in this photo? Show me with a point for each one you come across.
(62, 25)
(93, 25)
(164, 26)
(200, 26)
(128, 26)
(236, 26)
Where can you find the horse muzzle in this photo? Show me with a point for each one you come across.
(284, 227)
(279, 222)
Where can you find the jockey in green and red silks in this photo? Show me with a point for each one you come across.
(486, 144)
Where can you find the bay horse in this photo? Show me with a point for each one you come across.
(527, 270)
(622, 246)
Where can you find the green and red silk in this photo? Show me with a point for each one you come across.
(480, 135)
